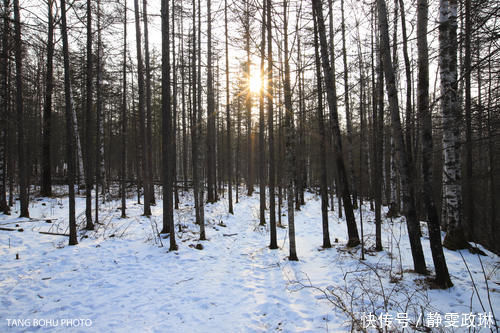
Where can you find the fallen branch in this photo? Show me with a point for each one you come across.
(52, 233)
(7, 229)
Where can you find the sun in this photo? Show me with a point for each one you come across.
(255, 82)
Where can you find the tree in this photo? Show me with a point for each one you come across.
(228, 119)
(148, 151)
(123, 169)
(270, 125)
(407, 176)
(168, 218)
(451, 113)
(322, 144)
(211, 135)
(142, 125)
(343, 181)
(442, 275)
(88, 117)
(4, 59)
(262, 149)
(22, 163)
(46, 188)
(70, 144)
(348, 115)
(289, 141)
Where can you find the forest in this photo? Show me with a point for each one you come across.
(250, 165)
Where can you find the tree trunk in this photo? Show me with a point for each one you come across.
(211, 135)
(262, 149)
(167, 136)
(148, 150)
(4, 108)
(123, 167)
(88, 122)
(451, 113)
(46, 189)
(405, 168)
(348, 115)
(141, 111)
(23, 176)
(248, 103)
(270, 96)
(442, 275)
(322, 144)
(69, 125)
(228, 120)
(343, 181)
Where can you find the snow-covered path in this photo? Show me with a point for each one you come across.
(122, 281)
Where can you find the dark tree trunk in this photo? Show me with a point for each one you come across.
(167, 135)
(406, 169)
(270, 123)
(289, 133)
(343, 181)
(442, 275)
(4, 110)
(46, 189)
(123, 168)
(211, 135)
(322, 145)
(148, 150)
(248, 104)
(23, 176)
(88, 122)
(141, 111)
(378, 133)
(228, 120)
(468, 190)
(348, 114)
(262, 149)
(70, 140)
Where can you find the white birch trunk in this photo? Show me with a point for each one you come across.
(451, 117)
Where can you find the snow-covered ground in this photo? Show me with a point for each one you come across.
(120, 279)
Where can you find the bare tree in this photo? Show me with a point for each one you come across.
(406, 169)
(22, 162)
(442, 275)
(343, 181)
(70, 139)
(451, 112)
(322, 144)
(4, 59)
(167, 136)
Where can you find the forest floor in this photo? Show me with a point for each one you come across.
(121, 279)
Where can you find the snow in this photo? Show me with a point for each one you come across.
(120, 279)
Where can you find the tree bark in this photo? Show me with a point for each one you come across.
(123, 168)
(270, 123)
(322, 144)
(343, 181)
(442, 275)
(46, 189)
(451, 113)
(141, 111)
(228, 119)
(22, 162)
(69, 126)
(211, 135)
(167, 135)
(262, 149)
(4, 109)
(405, 168)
